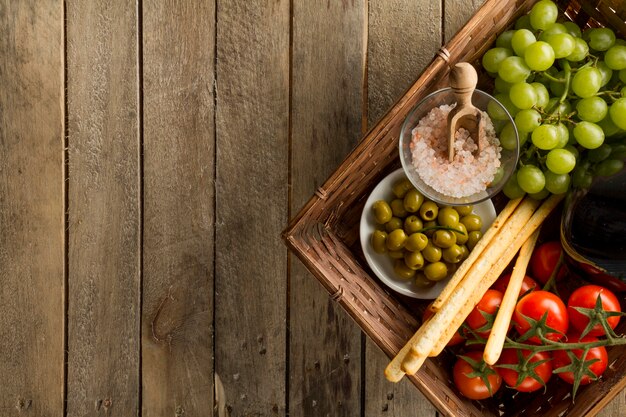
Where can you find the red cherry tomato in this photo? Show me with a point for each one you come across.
(586, 297)
(458, 336)
(528, 384)
(534, 306)
(475, 388)
(528, 284)
(544, 260)
(561, 358)
(487, 305)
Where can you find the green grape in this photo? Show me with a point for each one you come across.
(493, 58)
(527, 120)
(523, 95)
(592, 109)
(600, 39)
(541, 195)
(508, 137)
(514, 70)
(622, 75)
(608, 127)
(573, 29)
(521, 39)
(588, 135)
(539, 56)
(543, 14)
(615, 57)
(502, 86)
(623, 91)
(609, 167)
(563, 44)
(512, 189)
(557, 183)
(504, 39)
(545, 137)
(573, 151)
(581, 178)
(552, 30)
(563, 135)
(618, 113)
(543, 96)
(496, 112)
(523, 23)
(581, 50)
(531, 179)
(560, 161)
(586, 82)
(605, 71)
(600, 153)
(619, 41)
(557, 88)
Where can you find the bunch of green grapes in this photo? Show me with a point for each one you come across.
(566, 90)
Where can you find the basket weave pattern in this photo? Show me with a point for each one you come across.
(324, 234)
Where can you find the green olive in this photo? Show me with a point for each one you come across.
(397, 208)
(378, 241)
(413, 201)
(413, 224)
(465, 252)
(461, 235)
(401, 187)
(416, 242)
(436, 271)
(429, 210)
(393, 224)
(403, 271)
(464, 210)
(453, 254)
(472, 222)
(382, 211)
(395, 239)
(444, 238)
(422, 282)
(396, 254)
(448, 217)
(473, 238)
(431, 252)
(427, 225)
(414, 260)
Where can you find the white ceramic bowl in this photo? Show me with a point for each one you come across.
(382, 264)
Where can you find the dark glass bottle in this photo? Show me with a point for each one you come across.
(593, 230)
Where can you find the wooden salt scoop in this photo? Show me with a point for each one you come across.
(463, 79)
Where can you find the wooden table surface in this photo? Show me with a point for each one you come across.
(151, 152)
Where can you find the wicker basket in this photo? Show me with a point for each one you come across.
(324, 234)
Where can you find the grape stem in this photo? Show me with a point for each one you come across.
(567, 78)
(552, 78)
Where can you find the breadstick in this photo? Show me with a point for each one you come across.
(500, 327)
(460, 273)
(492, 274)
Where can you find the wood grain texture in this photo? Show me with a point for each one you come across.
(328, 67)
(394, 63)
(404, 36)
(616, 407)
(252, 122)
(179, 162)
(104, 216)
(31, 208)
(456, 14)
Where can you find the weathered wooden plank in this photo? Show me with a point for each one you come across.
(179, 162)
(616, 407)
(403, 38)
(252, 122)
(31, 208)
(456, 14)
(104, 215)
(328, 67)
